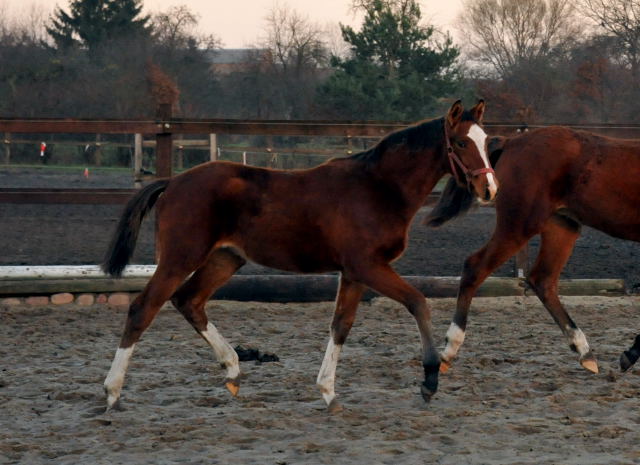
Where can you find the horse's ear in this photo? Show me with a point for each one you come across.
(455, 113)
(478, 111)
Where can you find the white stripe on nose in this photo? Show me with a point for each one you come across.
(479, 137)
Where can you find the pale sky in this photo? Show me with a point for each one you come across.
(240, 23)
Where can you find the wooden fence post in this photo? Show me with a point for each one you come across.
(213, 147)
(180, 153)
(97, 156)
(521, 268)
(164, 142)
(137, 160)
(7, 148)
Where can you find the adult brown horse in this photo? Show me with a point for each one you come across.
(554, 180)
(349, 215)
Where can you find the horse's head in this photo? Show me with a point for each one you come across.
(466, 144)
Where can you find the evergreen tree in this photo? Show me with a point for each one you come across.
(397, 70)
(90, 23)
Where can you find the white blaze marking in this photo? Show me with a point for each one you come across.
(115, 379)
(579, 340)
(455, 338)
(479, 137)
(223, 351)
(327, 375)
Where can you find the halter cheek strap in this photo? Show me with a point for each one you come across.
(454, 159)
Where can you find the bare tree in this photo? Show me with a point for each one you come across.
(26, 26)
(294, 40)
(506, 34)
(174, 29)
(299, 54)
(335, 43)
(621, 19)
(33, 24)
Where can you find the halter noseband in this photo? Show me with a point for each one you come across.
(454, 159)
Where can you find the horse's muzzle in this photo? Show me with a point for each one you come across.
(485, 187)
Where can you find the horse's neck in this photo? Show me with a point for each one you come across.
(414, 175)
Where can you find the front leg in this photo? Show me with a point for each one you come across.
(384, 280)
(349, 295)
(629, 357)
(476, 269)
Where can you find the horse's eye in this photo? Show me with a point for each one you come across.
(461, 144)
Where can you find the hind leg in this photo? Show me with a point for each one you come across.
(476, 269)
(557, 240)
(141, 313)
(182, 248)
(191, 298)
(349, 295)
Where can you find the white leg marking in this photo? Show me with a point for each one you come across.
(327, 375)
(479, 137)
(455, 338)
(115, 379)
(224, 352)
(578, 340)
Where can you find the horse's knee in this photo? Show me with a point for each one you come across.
(418, 307)
(339, 332)
(470, 270)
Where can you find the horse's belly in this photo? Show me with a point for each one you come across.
(293, 262)
(299, 253)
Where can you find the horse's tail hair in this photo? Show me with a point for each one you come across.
(124, 239)
(456, 200)
(453, 202)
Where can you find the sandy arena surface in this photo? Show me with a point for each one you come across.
(516, 395)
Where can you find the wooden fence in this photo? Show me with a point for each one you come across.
(165, 128)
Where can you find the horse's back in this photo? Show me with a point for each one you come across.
(595, 177)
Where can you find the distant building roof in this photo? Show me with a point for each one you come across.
(233, 56)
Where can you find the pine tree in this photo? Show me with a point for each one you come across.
(396, 70)
(90, 23)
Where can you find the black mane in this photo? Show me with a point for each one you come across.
(415, 137)
(429, 133)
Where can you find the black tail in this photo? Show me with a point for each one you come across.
(455, 200)
(124, 239)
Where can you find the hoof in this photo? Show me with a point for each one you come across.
(444, 366)
(113, 399)
(627, 360)
(115, 407)
(334, 407)
(233, 386)
(590, 364)
(427, 393)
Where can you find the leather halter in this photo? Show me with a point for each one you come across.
(454, 159)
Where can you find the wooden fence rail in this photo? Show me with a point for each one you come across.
(165, 127)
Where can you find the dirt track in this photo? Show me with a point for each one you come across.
(516, 395)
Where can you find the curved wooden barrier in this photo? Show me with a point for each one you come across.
(21, 281)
